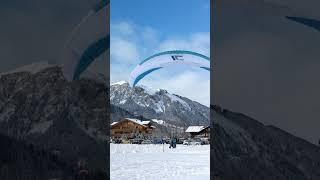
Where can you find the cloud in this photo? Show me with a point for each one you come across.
(194, 85)
(149, 35)
(118, 72)
(198, 42)
(123, 51)
(124, 28)
(130, 42)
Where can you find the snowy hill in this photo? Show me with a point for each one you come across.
(158, 104)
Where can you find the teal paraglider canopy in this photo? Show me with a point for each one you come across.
(168, 58)
(89, 40)
(313, 23)
(94, 50)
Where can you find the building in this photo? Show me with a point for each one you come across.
(199, 131)
(131, 128)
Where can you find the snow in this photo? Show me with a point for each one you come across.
(113, 123)
(123, 101)
(119, 83)
(138, 121)
(194, 128)
(159, 107)
(140, 104)
(158, 121)
(41, 127)
(32, 68)
(148, 90)
(133, 161)
(177, 99)
(145, 122)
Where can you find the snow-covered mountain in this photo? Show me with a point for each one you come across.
(158, 104)
(39, 107)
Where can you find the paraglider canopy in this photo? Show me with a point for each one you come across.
(88, 41)
(168, 58)
(306, 21)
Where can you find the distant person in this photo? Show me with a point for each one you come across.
(171, 143)
(174, 142)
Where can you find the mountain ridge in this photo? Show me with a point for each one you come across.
(158, 104)
(244, 148)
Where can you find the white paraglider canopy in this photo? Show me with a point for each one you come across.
(168, 58)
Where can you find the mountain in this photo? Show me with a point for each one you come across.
(39, 107)
(158, 104)
(243, 148)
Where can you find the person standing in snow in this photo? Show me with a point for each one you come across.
(174, 142)
(171, 143)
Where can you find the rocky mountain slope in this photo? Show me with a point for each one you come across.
(43, 109)
(158, 104)
(243, 148)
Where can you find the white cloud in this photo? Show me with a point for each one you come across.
(123, 51)
(124, 28)
(194, 85)
(198, 42)
(118, 72)
(149, 35)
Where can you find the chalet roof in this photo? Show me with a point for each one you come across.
(137, 121)
(113, 123)
(196, 128)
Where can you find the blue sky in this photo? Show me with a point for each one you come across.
(170, 17)
(142, 28)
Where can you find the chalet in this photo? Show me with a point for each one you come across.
(199, 131)
(131, 128)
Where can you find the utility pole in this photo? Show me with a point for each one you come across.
(162, 145)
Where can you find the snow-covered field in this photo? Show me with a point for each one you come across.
(153, 162)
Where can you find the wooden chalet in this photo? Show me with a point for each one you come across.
(199, 131)
(131, 128)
